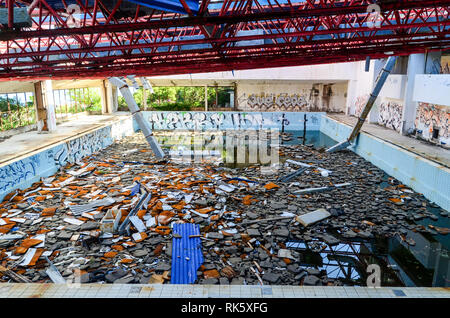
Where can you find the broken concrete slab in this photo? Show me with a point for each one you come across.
(313, 217)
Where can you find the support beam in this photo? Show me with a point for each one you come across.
(144, 98)
(41, 112)
(106, 106)
(49, 105)
(10, 14)
(416, 65)
(136, 113)
(384, 73)
(45, 106)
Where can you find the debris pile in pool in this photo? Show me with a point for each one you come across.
(110, 217)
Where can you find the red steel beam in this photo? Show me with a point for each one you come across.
(10, 14)
(298, 12)
(179, 67)
(413, 26)
(243, 38)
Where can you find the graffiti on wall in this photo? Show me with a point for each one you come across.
(295, 102)
(231, 120)
(390, 115)
(18, 172)
(433, 119)
(24, 172)
(360, 102)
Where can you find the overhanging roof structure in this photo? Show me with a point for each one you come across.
(100, 38)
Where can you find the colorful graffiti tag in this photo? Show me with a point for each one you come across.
(25, 172)
(232, 120)
(283, 102)
(390, 115)
(432, 118)
(360, 102)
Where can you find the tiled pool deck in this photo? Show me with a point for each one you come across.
(15, 290)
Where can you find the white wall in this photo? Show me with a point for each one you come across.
(434, 89)
(270, 95)
(323, 72)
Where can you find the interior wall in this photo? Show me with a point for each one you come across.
(291, 96)
(431, 117)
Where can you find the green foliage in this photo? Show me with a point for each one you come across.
(17, 114)
(85, 99)
(178, 98)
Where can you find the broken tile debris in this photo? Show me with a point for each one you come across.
(107, 220)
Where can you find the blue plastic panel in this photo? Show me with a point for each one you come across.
(186, 254)
(169, 5)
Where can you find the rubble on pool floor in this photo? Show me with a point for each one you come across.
(109, 218)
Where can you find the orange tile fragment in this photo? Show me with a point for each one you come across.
(140, 214)
(247, 200)
(271, 186)
(6, 228)
(143, 237)
(36, 256)
(48, 211)
(30, 242)
(205, 210)
(395, 200)
(20, 250)
(110, 254)
(118, 247)
(17, 198)
(42, 231)
(179, 206)
(213, 273)
(165, 217)
(126, 261)
(40, 198)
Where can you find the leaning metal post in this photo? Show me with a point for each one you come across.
(136, 112)
(384, 73)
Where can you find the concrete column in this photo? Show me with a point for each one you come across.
(232, 99)
(416, 65)
(104, 97)
(351, 97)
(45, 106)
(111, 98)
(50, 105)
(144, 97)
(235, 97)
(41, 112)
(115, 99)
(377, 66)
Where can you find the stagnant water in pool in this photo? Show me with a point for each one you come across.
(424, 265)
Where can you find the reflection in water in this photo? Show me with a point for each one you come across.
(424, 264)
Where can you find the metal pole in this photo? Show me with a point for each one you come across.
(304, 128)
(136, 112)
(10, 14)
(384, 73)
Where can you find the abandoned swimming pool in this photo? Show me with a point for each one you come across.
(419, 260)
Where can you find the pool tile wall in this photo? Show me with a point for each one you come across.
(422, 175)
(22, 173)
(232, 120)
